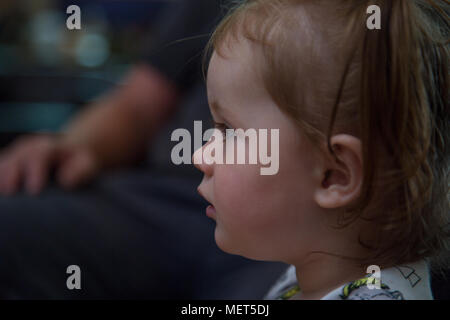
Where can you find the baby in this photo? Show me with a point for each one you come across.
(363, 124)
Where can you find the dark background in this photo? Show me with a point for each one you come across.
(48, 72)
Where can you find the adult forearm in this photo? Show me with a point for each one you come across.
(120, 125)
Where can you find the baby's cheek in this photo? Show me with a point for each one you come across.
(234, 186)
(246, 197)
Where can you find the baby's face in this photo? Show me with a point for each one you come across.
(265, 217)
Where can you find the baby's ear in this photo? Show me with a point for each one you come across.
(341, 176)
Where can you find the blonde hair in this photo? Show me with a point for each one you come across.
(389, 87)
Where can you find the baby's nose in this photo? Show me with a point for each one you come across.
(197, 160)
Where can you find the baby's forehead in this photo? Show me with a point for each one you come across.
(238, 63)
(301, 30)
(234, 71)
(239, 58)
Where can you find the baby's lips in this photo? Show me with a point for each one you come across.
(211, 211)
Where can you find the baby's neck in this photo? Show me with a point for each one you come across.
(323, 273)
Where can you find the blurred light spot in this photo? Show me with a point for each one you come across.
(46, 35)
(92, 50)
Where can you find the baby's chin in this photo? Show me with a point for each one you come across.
(226, 243)
(228, 246)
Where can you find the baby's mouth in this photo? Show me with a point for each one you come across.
(211, 212)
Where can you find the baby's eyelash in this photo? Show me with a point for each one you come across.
(221, 126)
(224, 129)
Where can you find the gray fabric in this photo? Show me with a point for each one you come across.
(133, 234)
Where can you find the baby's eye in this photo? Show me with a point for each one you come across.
(224, 129)
(220, 126)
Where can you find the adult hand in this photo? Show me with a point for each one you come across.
(29, 161)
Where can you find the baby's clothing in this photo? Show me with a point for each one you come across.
(406, 282)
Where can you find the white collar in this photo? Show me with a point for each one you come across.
(409, 281)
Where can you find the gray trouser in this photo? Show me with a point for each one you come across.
(133, 234)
